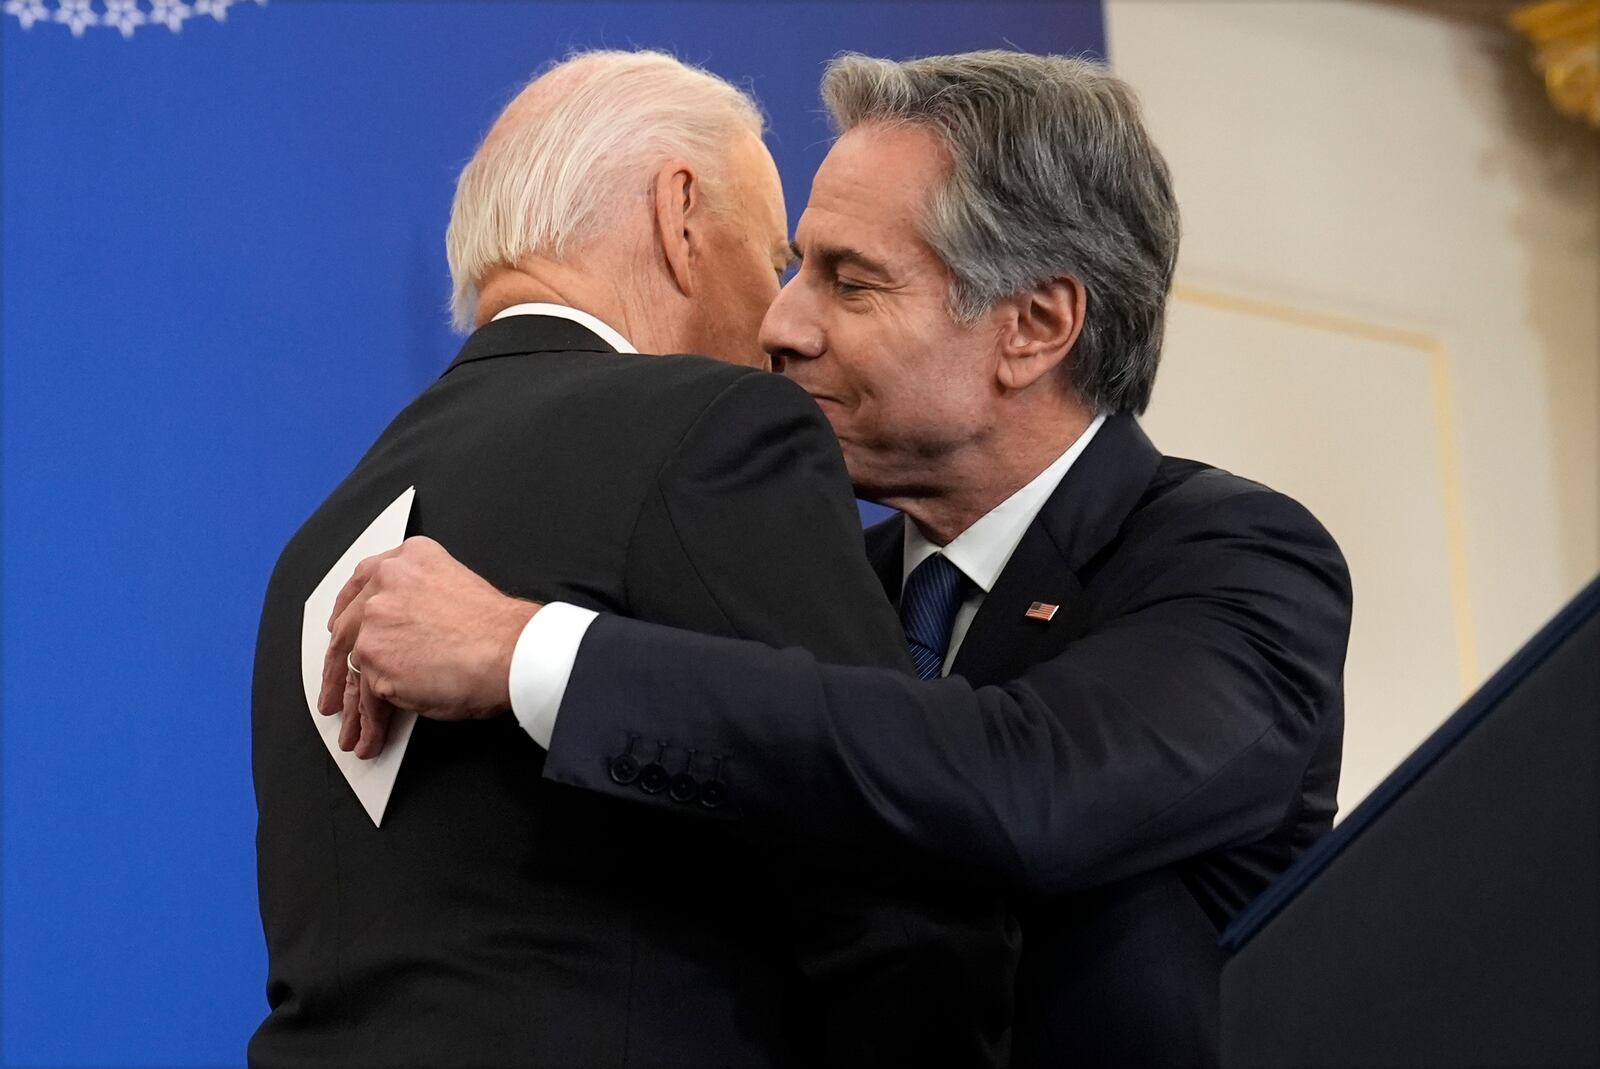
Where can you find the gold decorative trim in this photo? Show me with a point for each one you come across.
(1566, 35)
(1433, 350)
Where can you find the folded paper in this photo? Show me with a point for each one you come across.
(372, 780)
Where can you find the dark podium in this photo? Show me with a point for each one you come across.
(1452, 918)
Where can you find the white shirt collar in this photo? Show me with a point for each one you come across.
(601, 329)
(982, 550)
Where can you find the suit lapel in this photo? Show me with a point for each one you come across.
(1078, 520)
(886, 553)
(1002, 642)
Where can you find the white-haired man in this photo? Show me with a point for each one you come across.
(1143, 710)
(622, 201)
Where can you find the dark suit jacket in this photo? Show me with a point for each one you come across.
(1137, 768)
(500, 918)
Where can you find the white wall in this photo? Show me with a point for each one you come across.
(1388, 305)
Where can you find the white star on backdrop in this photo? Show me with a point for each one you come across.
(125, 15)
(170, 13)
(28, 12)
(77, 15)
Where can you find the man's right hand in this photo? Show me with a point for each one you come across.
(427, 634)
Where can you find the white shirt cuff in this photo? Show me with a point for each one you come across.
(541, 666)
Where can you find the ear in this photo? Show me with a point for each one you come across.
(677, 214)
(1040, 329)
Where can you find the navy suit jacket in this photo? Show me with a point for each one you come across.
(1134, 770)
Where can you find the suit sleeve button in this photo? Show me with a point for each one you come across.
(713, 793)
(624, 769)
(683, 788)
(653, 778)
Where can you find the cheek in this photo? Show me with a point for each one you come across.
(897, 403)
(762, 299)
(742, 317)
(759, 291)
(908, 389)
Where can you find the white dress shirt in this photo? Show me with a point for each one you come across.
(547, 649)
(560, 311)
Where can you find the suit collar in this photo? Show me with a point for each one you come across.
(518, 334)
(1079, 520)
(606, 332)
(1096, 496)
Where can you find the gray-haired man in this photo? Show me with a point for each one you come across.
(1140, 718)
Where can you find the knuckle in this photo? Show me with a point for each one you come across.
(382, 609)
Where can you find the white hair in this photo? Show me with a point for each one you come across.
(597, 125)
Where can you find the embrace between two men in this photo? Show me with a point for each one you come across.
(699, 781)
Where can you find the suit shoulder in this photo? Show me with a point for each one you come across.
(717, 377)
(752, 406)
(684, 371)
(697, 383)
(1200, 529)
(690, 368)
(1188, 494)
(886, 532)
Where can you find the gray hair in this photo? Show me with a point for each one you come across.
(577, 139)
(1052, 174)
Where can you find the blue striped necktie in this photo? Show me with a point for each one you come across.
(927, 609)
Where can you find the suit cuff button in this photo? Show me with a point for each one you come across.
(713, 793)
(653, 778)
(624, 769)
(683, 788)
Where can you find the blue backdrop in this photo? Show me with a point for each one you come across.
(223, 273)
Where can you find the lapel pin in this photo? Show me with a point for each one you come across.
(1042, 610)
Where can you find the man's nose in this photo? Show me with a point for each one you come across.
(791, 330)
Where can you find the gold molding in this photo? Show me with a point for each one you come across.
(1432, 348)
(1566, 36)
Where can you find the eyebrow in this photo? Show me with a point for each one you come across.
(836, 256)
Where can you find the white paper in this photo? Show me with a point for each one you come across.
(373, 780)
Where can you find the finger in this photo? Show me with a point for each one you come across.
(375, 714)
(330, 699)
(350, 726)
(335, 674)
(336, 662)
(357, 583)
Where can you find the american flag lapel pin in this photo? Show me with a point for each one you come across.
(1042, 610)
